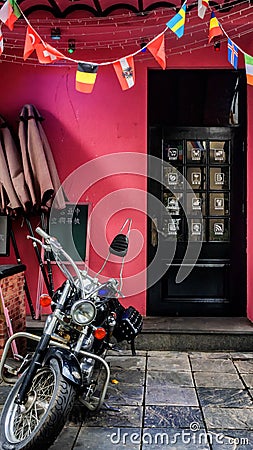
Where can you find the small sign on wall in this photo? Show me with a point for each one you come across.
(70, 227)
(4, 236)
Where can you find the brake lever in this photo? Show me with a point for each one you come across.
(114, 284)
(120, 294)
(45, 246)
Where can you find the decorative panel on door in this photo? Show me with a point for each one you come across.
(204, 167)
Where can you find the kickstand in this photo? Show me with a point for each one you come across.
(110, 408)
(133, 348)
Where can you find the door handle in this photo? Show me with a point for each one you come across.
(154, 227)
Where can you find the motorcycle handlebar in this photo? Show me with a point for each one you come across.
(54, 243)
(42, 233)
(56, 247)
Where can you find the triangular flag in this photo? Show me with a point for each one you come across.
(124, 69)
(249, 68)
(9, 13)
(214, 28)
(5, 11)
(1, 42)
(202, 7)
(177, 22)
(232, 53)
(32, 39)
(47, 54)
(16, 13)
(157, 48)
(86, 75)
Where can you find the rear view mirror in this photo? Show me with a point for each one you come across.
(119, 245)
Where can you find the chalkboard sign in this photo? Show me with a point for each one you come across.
(4, 236)
(70, 227)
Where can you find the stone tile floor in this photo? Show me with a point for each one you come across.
(166, 399)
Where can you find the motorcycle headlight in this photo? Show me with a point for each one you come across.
(83, 312)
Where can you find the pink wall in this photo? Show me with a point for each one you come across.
(81, 128)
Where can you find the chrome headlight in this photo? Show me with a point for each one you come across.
(83, 312)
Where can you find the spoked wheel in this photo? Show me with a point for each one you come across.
(37, 423)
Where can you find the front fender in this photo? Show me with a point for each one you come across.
(69, 365)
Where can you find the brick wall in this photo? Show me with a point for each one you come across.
(14, 299)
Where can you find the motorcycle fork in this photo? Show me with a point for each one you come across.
(41, 350)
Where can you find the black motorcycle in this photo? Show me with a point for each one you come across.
(69, 362)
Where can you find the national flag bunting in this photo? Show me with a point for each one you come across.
(232, 53)
(157, 48)
(177, 22)
(47, 54)
(249, 68)
(124, 69)
(202, 7)
(86, 75)
(1, 42)
(214, 28)
(9, 13)
(32, 39)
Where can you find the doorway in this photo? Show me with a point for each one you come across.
(200, 146)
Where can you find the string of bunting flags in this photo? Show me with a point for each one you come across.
(86, 72)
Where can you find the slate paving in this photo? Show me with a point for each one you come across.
(166, 399)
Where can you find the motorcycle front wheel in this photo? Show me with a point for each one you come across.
(37, 423)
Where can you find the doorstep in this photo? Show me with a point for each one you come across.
(196, 334)
(186, 333)
(198, 324)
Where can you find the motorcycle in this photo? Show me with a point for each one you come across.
(69, 362)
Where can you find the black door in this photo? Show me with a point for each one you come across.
(199, 182)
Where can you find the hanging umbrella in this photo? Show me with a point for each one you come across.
(14, 195)
(39, 167)
(40, 171)
(13, 190)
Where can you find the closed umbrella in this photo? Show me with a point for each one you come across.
(14, 163)
(39, 167)
(13, 189)
(40, 171)
(14, 195)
